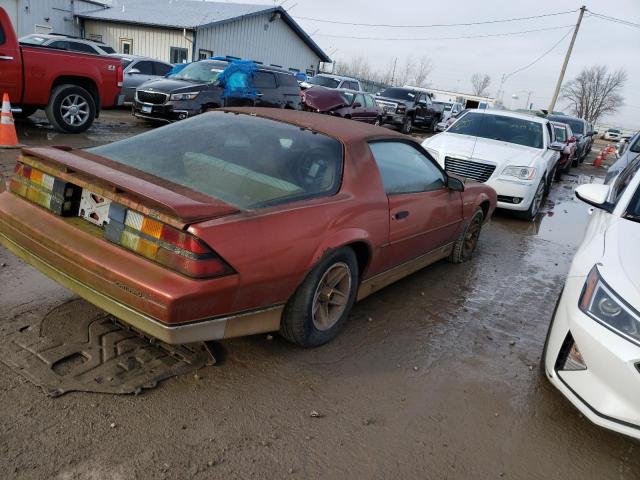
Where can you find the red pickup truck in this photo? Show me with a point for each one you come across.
(71, 87)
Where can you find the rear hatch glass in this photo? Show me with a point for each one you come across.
(243, 160)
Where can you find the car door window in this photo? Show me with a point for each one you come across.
(359, 99)
(369, 102)
(404, 169)
(81, 47)
(161, 69)
(286, 80)
(2, 37)
(62, 45)
(146, 68)
(264, 80)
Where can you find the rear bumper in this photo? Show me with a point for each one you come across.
(160, 303)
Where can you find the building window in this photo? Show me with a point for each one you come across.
(126, 46)
(95, 37)
(178, 55)
(310, 72)
(294, 70)
(204, 54)
(43, 29)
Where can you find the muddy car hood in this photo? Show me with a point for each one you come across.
(122, 183)
(171, 85)
(323, 99)
(494, 151)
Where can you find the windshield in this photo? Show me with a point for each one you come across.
(398, 93)
(246, 161)
(561, 134)
(33, 40)
(347, 97)
(576, 124)
(125, 62)
(205, 72)
(613, 130)
(636, 145)
(499, 127)
(324, 81)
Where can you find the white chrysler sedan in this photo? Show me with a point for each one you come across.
(511, 152)
(592, 351)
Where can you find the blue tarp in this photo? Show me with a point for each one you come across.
(237, 80)
(177, 68)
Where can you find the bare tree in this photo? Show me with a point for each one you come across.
(595, 92)
(480, 84)
(422, 71)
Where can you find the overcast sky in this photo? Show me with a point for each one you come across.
(454, 61)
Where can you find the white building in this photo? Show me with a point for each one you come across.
(177, 31)
(48, 16)
(466, 99)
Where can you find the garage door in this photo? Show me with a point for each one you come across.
(11, 6)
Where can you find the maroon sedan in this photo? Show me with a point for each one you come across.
(239, 221)
(569, 154)
(344, 103)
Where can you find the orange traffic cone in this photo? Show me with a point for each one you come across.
(598, 161)
(8, 135)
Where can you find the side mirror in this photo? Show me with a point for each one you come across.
(573, 140)
(595, 132)
(133, 71)
(590, 134)
(356, 105)
(558, 147)
(455, 184)
(595, 194)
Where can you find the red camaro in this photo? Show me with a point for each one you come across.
(239, 222)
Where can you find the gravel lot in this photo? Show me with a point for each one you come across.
(435, 377)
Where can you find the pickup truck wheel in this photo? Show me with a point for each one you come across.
(316, 312)
(407, 125)
(379, 122)
(434, 126)
(71, 109)
(468, 241)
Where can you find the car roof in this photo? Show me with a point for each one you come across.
(507, 113)
(564, 117)
(55, 36)
(350, 90)
(266, 68)
(336, 77)
(345, 130)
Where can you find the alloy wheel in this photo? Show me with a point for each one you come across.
(75, 110)
(331, 296)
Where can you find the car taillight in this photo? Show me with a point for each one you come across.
(164, 244)
(120, 75)
(60, 197)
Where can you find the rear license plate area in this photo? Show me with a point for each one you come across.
(94, 208)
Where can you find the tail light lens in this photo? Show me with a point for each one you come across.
(60, 197)
(173, 248)
(120, 75)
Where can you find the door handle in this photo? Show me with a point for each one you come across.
(400, 215)
(6, 57)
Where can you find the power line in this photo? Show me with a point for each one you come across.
(614, 19)
(486, 22)
(388, 39)
(539, 58)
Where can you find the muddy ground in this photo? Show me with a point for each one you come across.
(435, 377)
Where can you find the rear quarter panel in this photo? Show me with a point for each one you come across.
(273, 249)
(43, 66)
(474, 196)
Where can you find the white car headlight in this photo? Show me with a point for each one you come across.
(184, 96)
(523, 173)
(602, 304)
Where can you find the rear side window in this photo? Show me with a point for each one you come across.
(2, 37)
(561, 134)
(404, 169)
(287, 80)
(369, 101)
(62, 45)
(264, 80)
(161, 69)
(243, 160)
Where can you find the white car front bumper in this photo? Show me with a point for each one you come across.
(508, 190)
(608, 391)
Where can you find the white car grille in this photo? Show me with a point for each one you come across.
(480, 172)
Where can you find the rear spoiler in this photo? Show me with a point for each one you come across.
(159, 198)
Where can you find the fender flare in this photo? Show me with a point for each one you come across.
(341, 239)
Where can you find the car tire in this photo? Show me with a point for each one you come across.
(310, 318)
(378, 122)
(550, 178)
(536, 202)
(407, 125)
(26, 112)
(468, 241)
(434, 126)
(69, 98)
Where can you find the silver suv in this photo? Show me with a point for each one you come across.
(73, 44)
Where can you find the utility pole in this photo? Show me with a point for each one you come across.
(393, 75)
(552, 105)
